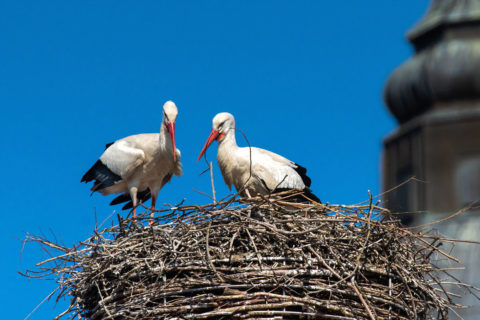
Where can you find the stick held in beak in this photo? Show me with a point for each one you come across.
(213, 135)
(171, 130)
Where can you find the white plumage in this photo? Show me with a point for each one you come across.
(138, 166)
(253, 170)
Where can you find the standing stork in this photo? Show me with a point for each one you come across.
(138, 166)
(253, 170)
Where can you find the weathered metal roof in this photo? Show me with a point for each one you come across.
(447, 72)
(443, 12)
(445, 66)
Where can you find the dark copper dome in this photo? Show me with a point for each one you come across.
(446, 65)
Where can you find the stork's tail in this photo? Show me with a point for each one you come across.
(310, 195)
(142, 196)
(305, 197)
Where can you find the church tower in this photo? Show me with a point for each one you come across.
(435, 97)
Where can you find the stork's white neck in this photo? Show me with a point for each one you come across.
(229, 140)
(227, 156)
(164, 137)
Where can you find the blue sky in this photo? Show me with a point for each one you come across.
(303, 79)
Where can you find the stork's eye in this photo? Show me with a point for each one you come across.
(220, 126)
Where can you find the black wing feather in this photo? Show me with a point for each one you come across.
(309, 194)
(124, 197)
(301, 198)
(302, 171)
(142, 196)
(103, 176)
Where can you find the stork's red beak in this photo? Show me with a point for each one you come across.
(171, 130)
(213, 135)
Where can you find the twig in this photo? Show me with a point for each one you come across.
(45, 299)
(360, 296)
(213, 185)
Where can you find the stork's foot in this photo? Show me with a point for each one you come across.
(152, 216)
(152, 221)
(135, 222)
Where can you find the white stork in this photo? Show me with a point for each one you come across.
(253, 170)
(138, 166)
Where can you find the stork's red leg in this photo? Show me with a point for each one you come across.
(154, 201)
(135, 204)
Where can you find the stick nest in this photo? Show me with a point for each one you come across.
(251, 259)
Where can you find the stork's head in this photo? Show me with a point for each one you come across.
(169, 117)
(222, 124)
